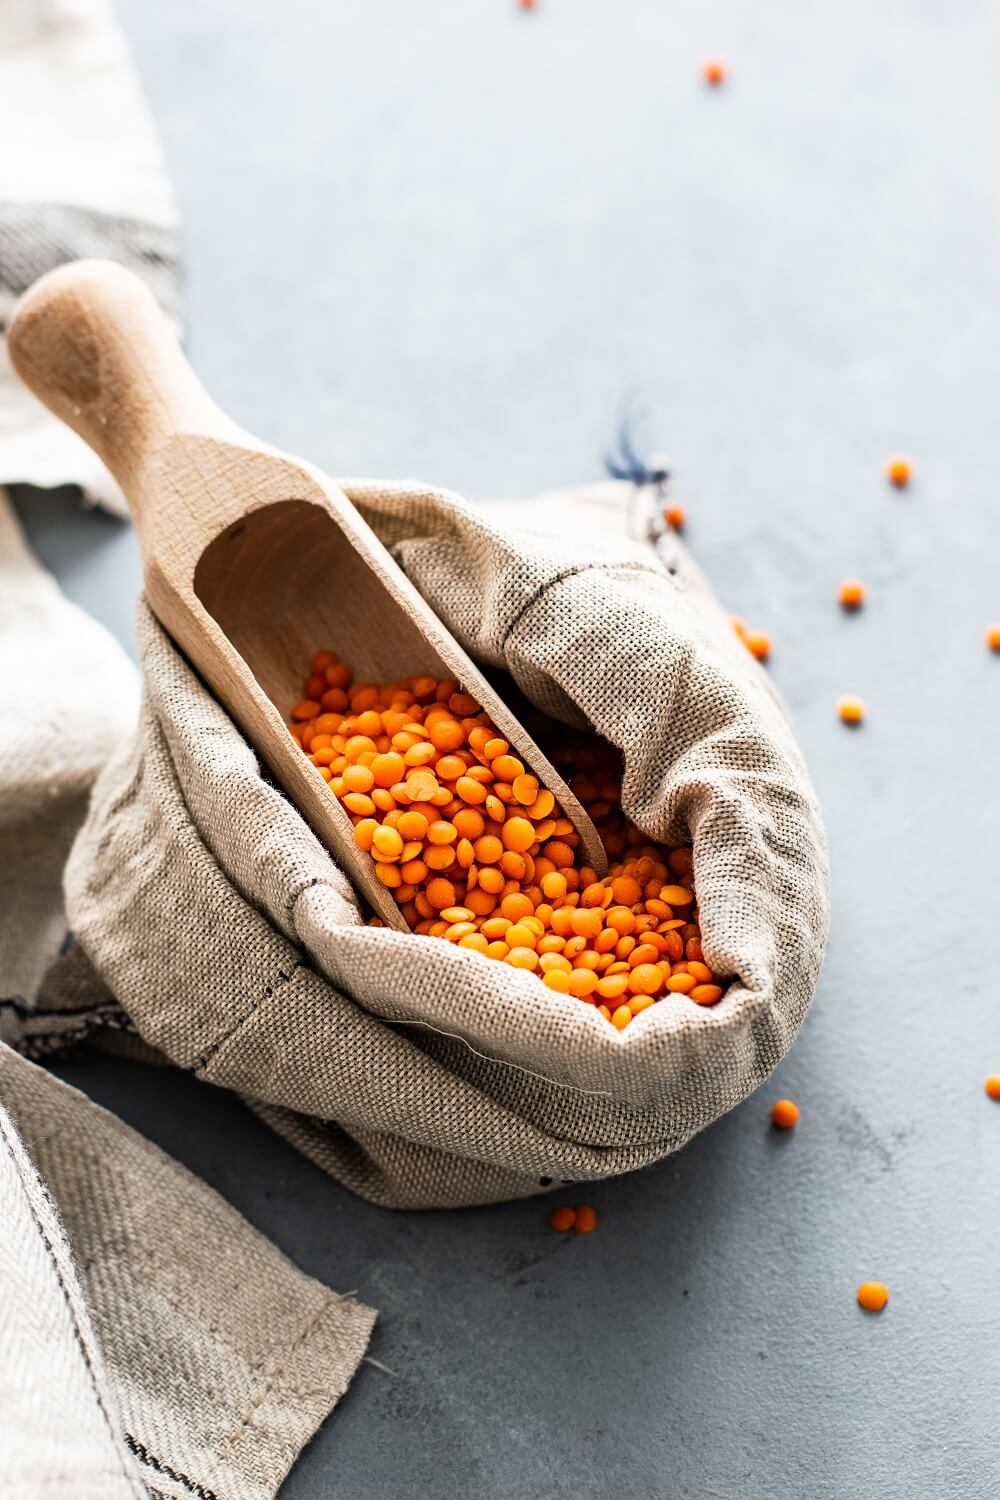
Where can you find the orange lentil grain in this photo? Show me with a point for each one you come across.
(586, 922)
(586, 1219)
(387, 843)
(556, 979)
(645, 979)
(681, 984)
(851, 710)
(583, 982)
(714, 71)
(518, 835)
(611, 986)
(873, 1295)
(759, 645)
(784, 1114)
(562, 1218)
(851, 593)
(899, 470)
(440, 893)
(992, 1086)
(307, 709)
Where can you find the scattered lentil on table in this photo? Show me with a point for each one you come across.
(582, 1218)
(714, 71)
(851, 709)
(675, 517)
(851, 593)
(475, 851)
(586, 1219)
(992, 1086)
(899, 471)
(758, 644)
(993, 637)
(784, 1114)
(873, 1295)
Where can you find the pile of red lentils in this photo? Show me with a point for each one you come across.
(476, 852)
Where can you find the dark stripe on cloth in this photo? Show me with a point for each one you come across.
(37, 237)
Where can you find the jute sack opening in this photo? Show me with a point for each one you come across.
(418, 1073)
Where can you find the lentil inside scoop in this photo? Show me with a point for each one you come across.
(475, 851)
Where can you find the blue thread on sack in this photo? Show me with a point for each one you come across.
(628, 465)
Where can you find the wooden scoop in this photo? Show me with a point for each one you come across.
(252, 559)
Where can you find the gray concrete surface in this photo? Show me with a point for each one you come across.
(451, 239)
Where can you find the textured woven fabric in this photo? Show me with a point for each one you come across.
(61, 1431)
(152, 1341)
(81, 174)
(69, 692)
(416, 1072)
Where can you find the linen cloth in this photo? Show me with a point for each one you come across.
(151, 1341)
(81, 174)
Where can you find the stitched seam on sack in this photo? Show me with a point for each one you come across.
(205, 1057)
(159, 1467)
(232, 889)
(740, 1022)
(77, 1332)
(276, 1376)
(574, 572)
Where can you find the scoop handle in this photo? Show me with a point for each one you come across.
(91, 342)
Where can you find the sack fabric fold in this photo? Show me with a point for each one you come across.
(418, 1073)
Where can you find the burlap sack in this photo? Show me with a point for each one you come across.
(417, 1073)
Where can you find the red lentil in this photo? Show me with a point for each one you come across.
(784, 1114)
(851, 593)
(759, 645)
(851, 710)
(899, 471)
(714, 71)
(562, 1218)
(873, 1295)
(992, 1086)
(477, 853)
